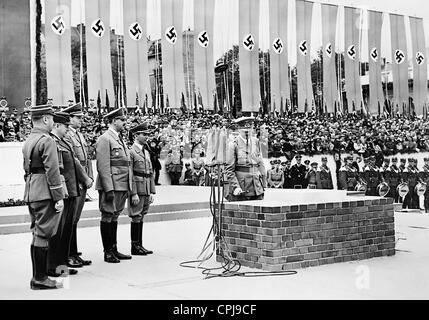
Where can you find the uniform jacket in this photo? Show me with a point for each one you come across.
(141, 164)
(392, 176)
(245, 155)
(311, 177)
(424, 174)
(372, 176)
(324, 178)
(411, 176)
(174, 162)
(72, 170)
(348, 177)
(41, 186)
(275, 177)
(287, 178)
(298, 174)
(80, 148)
(113, 164)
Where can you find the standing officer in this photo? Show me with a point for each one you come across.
(424, 177)
(324, 176)
(143, 187)
(371, 175)
(311, 176)
(288, 183)
(113, 182)
(348, 175)
(275, 177)
(76, 139)
(411, 176)
(74, 173)
(393, 178)
(297, 173)
(43, 193)
(245, 168)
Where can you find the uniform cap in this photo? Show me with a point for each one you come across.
(41, 110)
(244, 121)
(141, 128)
(74, 110)
(314, 164)
(117, 113)
(62, 117)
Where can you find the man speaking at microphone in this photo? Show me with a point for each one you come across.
(245, 168)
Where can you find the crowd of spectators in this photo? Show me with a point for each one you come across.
(306, 134)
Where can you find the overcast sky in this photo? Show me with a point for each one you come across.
(226, 21)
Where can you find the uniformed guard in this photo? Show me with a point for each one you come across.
(245, 168)
(385, 165)
(43, 193)
(275, 177)
(74, 173)
(198, 169)
(113, 182)
(371, 176)
(348, 175)
(311, 176)
(80, 147)
(143, 186)
(411, 176)
(324, 176)
(393, 178)
(288, 183)
(424, 177)
(298, 172)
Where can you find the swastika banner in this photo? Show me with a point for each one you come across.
(248, 55)
(58, 46)
(135, 52)
(280, 88)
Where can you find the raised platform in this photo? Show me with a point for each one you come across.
(171, 203)
(303, 228)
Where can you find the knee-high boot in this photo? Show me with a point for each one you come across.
(141, 239)
(113, 232)
(135, 244)
(40, 279)
(107, 243)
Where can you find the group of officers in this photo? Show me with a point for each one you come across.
(57, 177)
(405, 183)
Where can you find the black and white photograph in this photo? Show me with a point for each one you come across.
(215, 154)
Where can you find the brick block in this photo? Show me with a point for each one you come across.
(296, 236)
(314, 263)
(303, 250)
(261, 216)
(312, 256)
(294, 208)
(344, 210)
(287, 237)
(346, 224)
(305, 235)
(321, 206)
(255, 251)
(295, 258)
(295, 222)
(328, 212)
(311, 228)
(326, 226)
(290, 251)
(303, 208)
(247, 236)
(311, 214)
(294, 215)
(272, 253)
(253, 223)
(304, 242)
(305, 264)
(285, 209)
(275, 217)
(251, 230)
(271, 224)
(249, 215)
(285, 223)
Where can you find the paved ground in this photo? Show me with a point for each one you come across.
(159, 276)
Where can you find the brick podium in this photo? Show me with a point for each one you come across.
(277, 235)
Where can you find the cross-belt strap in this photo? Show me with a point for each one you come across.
(245, 168)
(120, 163)
(142, 174)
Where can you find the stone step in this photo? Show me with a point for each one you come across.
(89, 219)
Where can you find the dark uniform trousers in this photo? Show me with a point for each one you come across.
(59, 245)
(110, 210)
(44, 221)
(411, 200)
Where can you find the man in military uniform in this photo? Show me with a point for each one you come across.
(43, 193)
(298, 172)
(288, 184)
(411, 176)
(77, 140)
(424, 177)
(371, 176)
(113, 182)
(74, 173)
(324, 176)
(393, 178)
(245, 168)
(275, 177)
(402, 165)
(143, 187)
(385, 165)
(348, 176)
(311, 176)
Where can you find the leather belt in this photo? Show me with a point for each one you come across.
(142, 174)
(245, 169)
(119, 163)
(37, 170)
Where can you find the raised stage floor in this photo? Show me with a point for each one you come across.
(159, 276)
